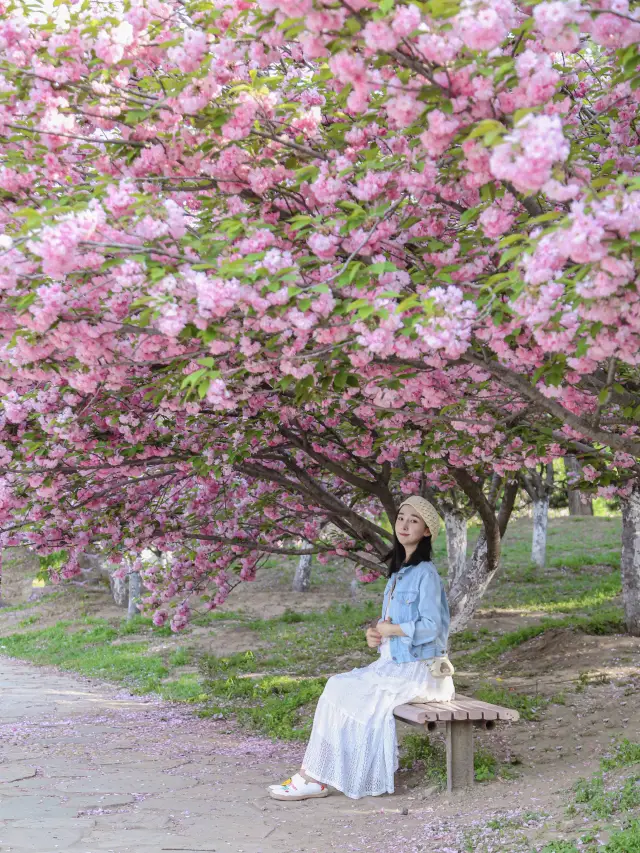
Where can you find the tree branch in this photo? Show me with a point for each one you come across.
(522, 386)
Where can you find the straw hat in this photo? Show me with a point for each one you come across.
(426, 511)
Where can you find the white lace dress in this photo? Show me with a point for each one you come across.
(353, 745)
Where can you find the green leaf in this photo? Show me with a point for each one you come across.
(486, 125)
(546, 217)
(409, 302)
(366, 311)
(511, 238)
(510, 254)
(193, 378)
(469, 215)
(341, 380)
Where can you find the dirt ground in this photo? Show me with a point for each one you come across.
(86, 768)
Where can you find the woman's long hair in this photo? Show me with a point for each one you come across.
(397, 555)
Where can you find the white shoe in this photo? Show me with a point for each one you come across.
(298, 788)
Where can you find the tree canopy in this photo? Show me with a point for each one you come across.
(266, 266)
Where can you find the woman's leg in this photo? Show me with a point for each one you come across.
(352, 739)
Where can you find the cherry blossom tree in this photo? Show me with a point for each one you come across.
(233, 216)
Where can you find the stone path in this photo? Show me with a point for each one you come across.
(84, 769)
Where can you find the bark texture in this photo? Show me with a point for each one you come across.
(119, 590)
(135, 593)
(579, 504)
(539, 486)
(630, 560)
(302, 577)
(471, 583)
(455, 524)
(539, 540)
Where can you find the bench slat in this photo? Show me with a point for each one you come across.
(428, 712)
(445, 711)
(416, 714)
(462, 708)
(469, 709)
(490, 711)
(483, 709)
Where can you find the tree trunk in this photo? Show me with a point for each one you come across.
(456, 528)
(539, 541)
(119, 590)
(135, 592)
(577, 505)
(630, 560)
(471, 584)
(302, 577)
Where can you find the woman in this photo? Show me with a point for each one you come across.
(353, 743)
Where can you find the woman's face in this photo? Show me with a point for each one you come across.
(410, 528)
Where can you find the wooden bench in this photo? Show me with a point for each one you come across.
(460, 717)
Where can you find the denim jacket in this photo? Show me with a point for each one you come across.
(419, 606)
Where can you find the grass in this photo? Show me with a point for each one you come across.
(611, 797)
(625, 754)
(608, 621)
(564, 586)
(428, 755)
(602, 802)
(603, 798)
(528, 707)
(89, 650)
(275, 690)
(627, 841)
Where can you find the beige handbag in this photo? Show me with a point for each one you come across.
(441, 667)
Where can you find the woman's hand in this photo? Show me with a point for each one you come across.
(373, 637)
(388, 629)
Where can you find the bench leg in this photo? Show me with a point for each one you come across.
(459, 754)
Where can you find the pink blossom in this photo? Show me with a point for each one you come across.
(613, 31)
(371, 186)
(172, 320)
(559, 192)
(324, 246)
(528, 153)
(379, 36)
(328, 190)
(288, 8)
(442, 129)
(175, 219)
(406, 20)
(484, 25)
(557, 21)
(403, 110)
(276, 260)
(189, 55)
(495, 221)
(348, 68)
